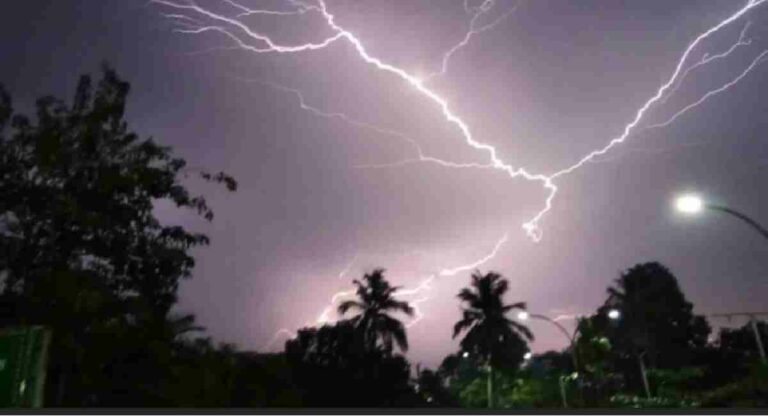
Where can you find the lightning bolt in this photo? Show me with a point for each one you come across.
(712, 93)
(751, 4)
(531, 227)
(300, 8)
(284, 332)
(250, 40)
(420, 289)
(477, 13)
(742, 41)
(271, 46)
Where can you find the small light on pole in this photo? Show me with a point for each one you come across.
(465, 355)
(689, 204)
(528, 355)
(614, 314)
(523, 315)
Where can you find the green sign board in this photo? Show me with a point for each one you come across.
(23, 353)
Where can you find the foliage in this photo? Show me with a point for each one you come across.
(656, 321)
(637, 402)
(432, 389)
(750, 391)
(376, 300)
(333, 368)
(80, 248)
(674, 383)
(489, 333)
(742, 340)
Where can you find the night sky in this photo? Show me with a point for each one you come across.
(548, 84)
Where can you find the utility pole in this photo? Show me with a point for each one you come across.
(644, 375)
(753, 324)
(562, 392)
(758, 341)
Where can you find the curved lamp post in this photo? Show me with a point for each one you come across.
(613, 314)
(693, 204)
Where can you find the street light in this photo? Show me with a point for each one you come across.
(528, 355)
(693, 204)
(614, 314)
(689, 204)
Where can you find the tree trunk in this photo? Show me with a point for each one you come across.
(644, 376)
(490, 384)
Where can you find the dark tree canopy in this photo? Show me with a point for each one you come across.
(81, 250)
(375, 302)
(489, 333)
(656, 318)
(656, 323)
(334, 368)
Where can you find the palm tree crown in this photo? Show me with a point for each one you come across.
(375, 301)
(484, 318)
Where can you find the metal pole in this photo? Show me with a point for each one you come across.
(759, 228)
(756, 331)
(562, 392)
(571, 338)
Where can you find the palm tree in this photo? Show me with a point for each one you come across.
(489, 333)
(376, 300)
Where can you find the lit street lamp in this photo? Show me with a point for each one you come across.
(613, 314)
(693, 204)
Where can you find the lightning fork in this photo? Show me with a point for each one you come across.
(742, 41)
(660, 92)
(755, 62)
(531, 227)
(478, 13)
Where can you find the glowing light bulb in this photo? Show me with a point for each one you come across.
(689, 204)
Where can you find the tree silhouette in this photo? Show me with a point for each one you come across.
(376, 301)
(81, 250)
(489, 333)
(656, 321)
(332, 368)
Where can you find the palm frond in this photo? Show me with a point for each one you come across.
(350, 304)
(518, 305)
(462, 325)
(521, 329)
(398, 306)
(468, 296)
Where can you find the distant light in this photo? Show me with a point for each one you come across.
(523, 315)
(614, 314)
(465, 355)
(689, 204)
(528, 355)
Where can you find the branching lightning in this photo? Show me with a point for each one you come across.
(418, 293)
(477, 14)
(660, 92)
(707, 58)
(755, 62)
(250, 40)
